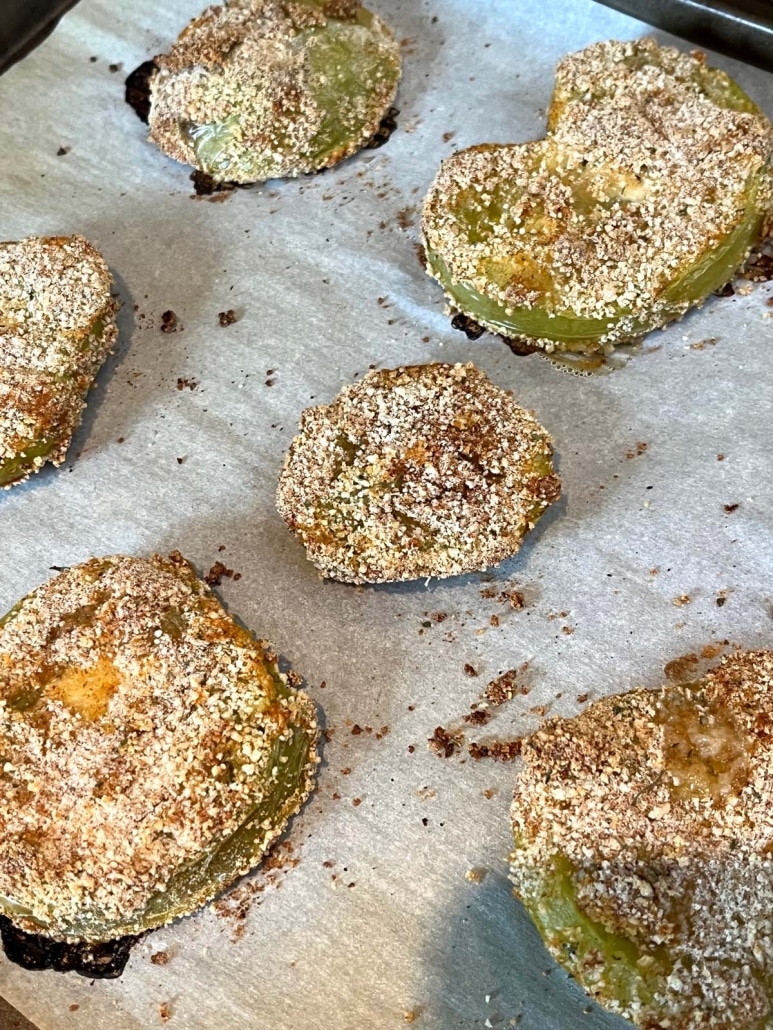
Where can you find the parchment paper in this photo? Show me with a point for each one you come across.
(400, 931)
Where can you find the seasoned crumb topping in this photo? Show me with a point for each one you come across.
(651, 163)
(429, 470)
(139, 727)
(57, 325)
(256, 89)
(659, 805)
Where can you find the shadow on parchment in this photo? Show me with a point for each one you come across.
(484, 945)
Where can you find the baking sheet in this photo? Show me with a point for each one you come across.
(324, 277)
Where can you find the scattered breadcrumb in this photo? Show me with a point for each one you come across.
(169, 322)
(499, 750)
(445, 743)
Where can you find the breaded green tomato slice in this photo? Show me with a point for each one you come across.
(429, 470)
(646, 196)
(643, 848)
(260, 89)
(151, 750)
(57, 326)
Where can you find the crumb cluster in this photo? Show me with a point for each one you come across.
(57, 325)
(657, 806)
(429, 470)
(140, 727)
(258, 89)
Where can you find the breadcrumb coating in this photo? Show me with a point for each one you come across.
(644, 836)
(429, 470)
(258, 89)
(652, 183)
(57, 326)
(141, 729)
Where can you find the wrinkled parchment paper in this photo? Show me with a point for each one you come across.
(378, 922)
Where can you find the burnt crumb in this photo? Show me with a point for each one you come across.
(63, 151)
(385, 129)
(499, 750)
(730, 508)
(159, 958)
(103, 961)
(205, 185)
(502, 688)
(638, 450)
(215, 575)
(113, 68)
(137, 94)
(760, 268)
(703, 344)
(472, 330)
(582, 698)
(421, 254)
(226, 318)
(511, 596)
(169, 322)
(478, 717)
(444, 744)
(721, 599)
(519, 345)
(405, 216)
(356, 730)
(186, 384)
(165, 1011)
(728, 290)
(470, 670)
(448, 136)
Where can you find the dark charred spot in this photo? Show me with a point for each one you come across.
(728, 290)
(205, 185)
(385, 129)
(471, 329)
(137, 93)
(103, 961)
(519, 346)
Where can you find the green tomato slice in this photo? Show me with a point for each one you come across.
(566, 330)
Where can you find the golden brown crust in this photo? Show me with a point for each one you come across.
(138, 724)
(641, 177)
(429, 470)
(57, 325)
